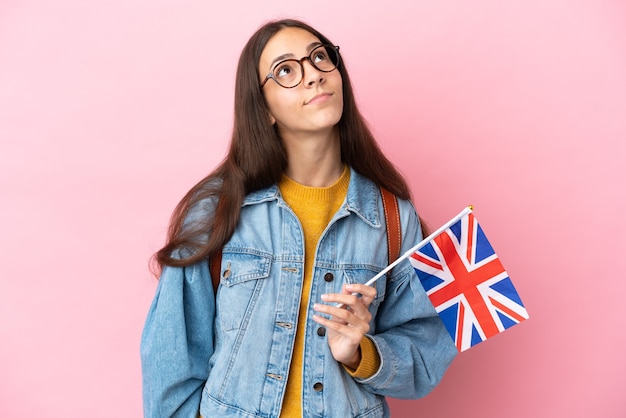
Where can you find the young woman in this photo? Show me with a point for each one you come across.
(296, 210)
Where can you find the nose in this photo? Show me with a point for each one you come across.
(311, 75)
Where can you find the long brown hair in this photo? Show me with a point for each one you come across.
(256, 159)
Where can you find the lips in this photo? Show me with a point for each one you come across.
(319, 98)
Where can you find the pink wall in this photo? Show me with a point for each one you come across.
(110, 111)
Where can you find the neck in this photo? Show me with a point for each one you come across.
(314, 160)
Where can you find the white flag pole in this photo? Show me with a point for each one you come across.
(419, 245)
(416, 247)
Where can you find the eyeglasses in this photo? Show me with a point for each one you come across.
(289, 73)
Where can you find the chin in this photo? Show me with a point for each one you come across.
(330, 119)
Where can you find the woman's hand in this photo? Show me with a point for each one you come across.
(347, 324)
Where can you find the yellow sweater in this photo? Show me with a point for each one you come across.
(315, 207)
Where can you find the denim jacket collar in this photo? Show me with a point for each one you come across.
(362, 199)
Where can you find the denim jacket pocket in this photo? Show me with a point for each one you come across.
(241, 265)
(242, 277)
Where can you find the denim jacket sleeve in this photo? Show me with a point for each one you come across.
(414, 346)
(177, 342)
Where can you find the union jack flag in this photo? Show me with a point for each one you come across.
(467, 283)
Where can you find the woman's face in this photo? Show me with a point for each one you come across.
(313, 106)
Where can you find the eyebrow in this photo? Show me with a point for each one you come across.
(310, 47)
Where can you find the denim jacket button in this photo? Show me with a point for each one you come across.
(226, 273)
(321, 331)
(318, 387)
(329, 277)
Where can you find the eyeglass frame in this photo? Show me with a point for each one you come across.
(300, 61)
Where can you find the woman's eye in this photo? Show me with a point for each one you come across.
(320, 56)
(283, 71)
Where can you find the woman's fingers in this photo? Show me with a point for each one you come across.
(352, 295)
(353, 302)
(346, 317)
(345, 322)
(368, 293)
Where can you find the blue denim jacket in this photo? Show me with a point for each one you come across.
(229, 356)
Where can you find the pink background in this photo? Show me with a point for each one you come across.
(110, 111)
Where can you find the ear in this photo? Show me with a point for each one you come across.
(272, 120)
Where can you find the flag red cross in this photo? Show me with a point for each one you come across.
(465, 283)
